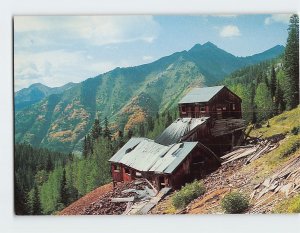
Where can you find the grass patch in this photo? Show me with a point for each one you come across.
(288, 149)
(235, 203)
(290, 205)
(270, 162)
(283, 123)
(291, 147)
(188, 193)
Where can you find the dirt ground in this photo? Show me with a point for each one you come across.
(78, 206)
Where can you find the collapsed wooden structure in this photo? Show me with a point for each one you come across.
(210, 124)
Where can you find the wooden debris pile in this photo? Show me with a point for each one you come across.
(116, 201)
(253, 151)
(285, 182)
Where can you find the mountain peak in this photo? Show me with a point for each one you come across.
(37, 85)
(206, 45)
(209, 44)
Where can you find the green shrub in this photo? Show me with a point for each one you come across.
(188, 193)
(295, 130)
(235, 203)
(290, 150)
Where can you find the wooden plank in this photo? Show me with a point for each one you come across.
(122, 199)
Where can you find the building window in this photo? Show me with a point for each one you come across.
(183, 109)
(233, 106)
(202, 109)
(127, 171)
(116, 167)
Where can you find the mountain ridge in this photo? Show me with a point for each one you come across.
(127, 96)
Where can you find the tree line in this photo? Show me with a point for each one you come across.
(47, 181)
(271, 87)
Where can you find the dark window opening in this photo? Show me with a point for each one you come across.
(202, 109)
(162, 181)
(183, 109)
(116, 168)
(127, 171)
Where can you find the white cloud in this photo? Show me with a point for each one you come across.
(46, 67)
(99, 30)
(278, 18)
(56, 68)
(55, 50)
(230, 31)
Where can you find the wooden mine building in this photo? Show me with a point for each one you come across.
(210, 124)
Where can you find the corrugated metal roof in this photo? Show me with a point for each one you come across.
(173, 158)
(200, 95)
(128, 146)
(148, 155)
(144, 155)
(178, 129)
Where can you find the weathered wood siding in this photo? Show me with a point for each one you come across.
(225, 104)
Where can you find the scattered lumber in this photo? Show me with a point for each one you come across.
(286, 181)
(122, 199)
(253, 151)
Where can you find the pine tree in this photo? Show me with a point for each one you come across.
(85, 147)
(106, 133)
(49, 164)
(120, 139)
(168, 119)
(89, 144)
(20, 206)
(273, 82)
(291, 64)
(279, 103)
(150, 123)
(157, 116)
(63, 189)
(129, 134)
(96, 130)
(142, 130)
(36, 207)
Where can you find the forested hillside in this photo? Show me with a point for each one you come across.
(271, 87)
(126, 96)
(46, 182)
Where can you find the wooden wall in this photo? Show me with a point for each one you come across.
(223, 105)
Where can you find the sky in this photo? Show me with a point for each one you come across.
(55, 50)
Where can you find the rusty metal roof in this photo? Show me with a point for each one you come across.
(200, 95)
(144, 154)
(178, 129)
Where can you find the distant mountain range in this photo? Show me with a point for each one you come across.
(36, 92)
(59, 119)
